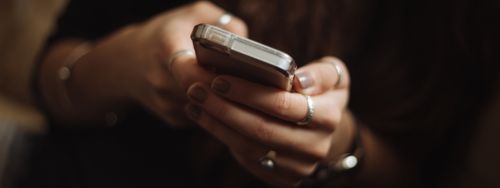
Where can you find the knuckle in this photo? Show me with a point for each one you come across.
(201, 6)
(283, 103)
(306, 170)
(157, 83)
(262, 130)
(332, 120)
(318, 152)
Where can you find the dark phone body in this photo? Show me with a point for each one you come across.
(241, 57)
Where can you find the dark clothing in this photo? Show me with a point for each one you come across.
(422, 74)
(142, 152)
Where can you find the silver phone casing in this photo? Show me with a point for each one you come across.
(242, 57)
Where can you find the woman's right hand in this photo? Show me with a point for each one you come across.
(130, 64)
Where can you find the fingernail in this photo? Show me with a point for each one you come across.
(221, 85)
(193, 111)
(198, 94)
(305, 79)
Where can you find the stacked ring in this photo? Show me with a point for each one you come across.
(310, 111)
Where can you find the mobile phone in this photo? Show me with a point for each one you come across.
(231, 54)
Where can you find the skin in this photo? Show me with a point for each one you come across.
(129, 67)
(252, 119)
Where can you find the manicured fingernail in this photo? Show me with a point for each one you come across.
(193, 111)
(305, 79)
(198, 94)
(221, 85)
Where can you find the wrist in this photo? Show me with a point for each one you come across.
(343, 137)
(345, 157)
(93, 90)
(68, 84)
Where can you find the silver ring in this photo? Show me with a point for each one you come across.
(310, 111)
(224, 19)
(340, 73)
(175, 55)
(268, 160)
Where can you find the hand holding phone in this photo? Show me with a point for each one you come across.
(231, 54)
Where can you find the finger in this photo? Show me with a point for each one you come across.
(293, 164)
(282, 104)
(290, 167)
(186, 71)
(184, 19)
(262, 128)
(225, 134)
(177, 39)
(320, 76)
(167, 111)
(329, 109)
(207, 12)
(288, 106)
(269, 176)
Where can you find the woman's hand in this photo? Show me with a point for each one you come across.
(252, 119)
(163, 91)
(130, 65)
(159, 89)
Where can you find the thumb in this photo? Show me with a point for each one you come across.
(320, 76)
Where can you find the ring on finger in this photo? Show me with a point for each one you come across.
(339, 71)
(224, 19)
(268, 161)
(310, 111)
(170, 60)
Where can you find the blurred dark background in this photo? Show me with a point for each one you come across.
(25, 26)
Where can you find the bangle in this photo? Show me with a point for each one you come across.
(65, 72)
(349, 163)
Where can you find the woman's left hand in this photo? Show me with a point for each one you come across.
(253, 119)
